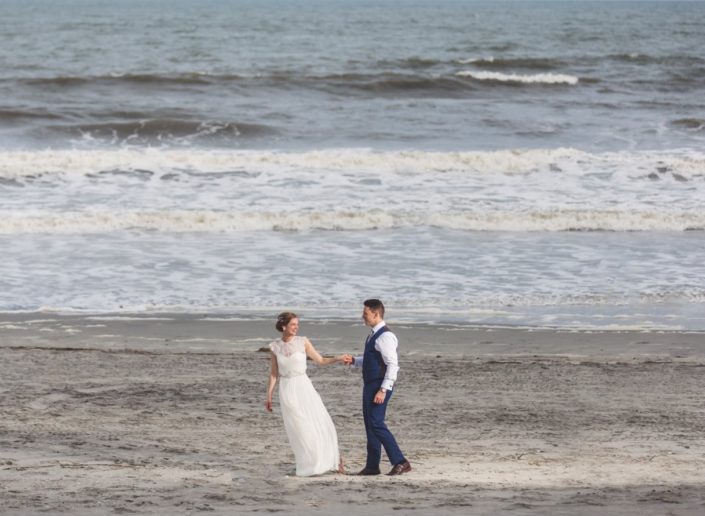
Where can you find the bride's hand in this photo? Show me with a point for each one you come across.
(268, 405)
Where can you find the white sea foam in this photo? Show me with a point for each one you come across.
(72, 163)
(541, 78)
(472, 60)
(204, 221)
(560, 279)
(127, 318)
(234, 191)
(10, 326)
(18, 164)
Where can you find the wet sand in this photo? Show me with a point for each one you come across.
(165, 415)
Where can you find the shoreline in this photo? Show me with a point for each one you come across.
(219, 333)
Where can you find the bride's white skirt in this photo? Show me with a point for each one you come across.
(308, 426)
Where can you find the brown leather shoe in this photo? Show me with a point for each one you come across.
(401, 468)
(369, 471)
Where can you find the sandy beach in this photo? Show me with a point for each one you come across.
(164, 415)
(520, 182)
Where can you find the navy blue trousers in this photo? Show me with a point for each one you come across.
(378, 434)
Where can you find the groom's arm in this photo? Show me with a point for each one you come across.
(387, 346)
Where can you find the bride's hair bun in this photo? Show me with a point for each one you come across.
(285, 318)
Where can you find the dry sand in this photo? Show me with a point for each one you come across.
(165, 415)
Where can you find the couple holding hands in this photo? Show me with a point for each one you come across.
(308, 425)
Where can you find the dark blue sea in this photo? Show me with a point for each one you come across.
(520, 163)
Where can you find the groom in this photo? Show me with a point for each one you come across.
(379, 371)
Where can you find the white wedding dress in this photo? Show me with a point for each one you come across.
(308, 425)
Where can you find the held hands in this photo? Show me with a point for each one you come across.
(347, 359)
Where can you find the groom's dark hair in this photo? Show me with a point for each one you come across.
(375, 305)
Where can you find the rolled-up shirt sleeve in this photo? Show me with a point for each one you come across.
(387, 346)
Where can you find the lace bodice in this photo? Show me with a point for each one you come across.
(295, 345)
(291, 356)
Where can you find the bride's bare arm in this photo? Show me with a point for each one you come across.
(273, 375)
(317, 358)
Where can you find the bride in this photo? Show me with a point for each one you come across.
(308, 425)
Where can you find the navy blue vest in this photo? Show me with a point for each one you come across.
(373, 366)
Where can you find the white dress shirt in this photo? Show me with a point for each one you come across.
(387, 345)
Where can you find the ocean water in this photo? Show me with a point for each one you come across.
(508, 163)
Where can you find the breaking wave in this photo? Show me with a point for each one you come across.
(208, 221)
(527, 63)
(76, 163)
(157, 131)
(542, 78)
